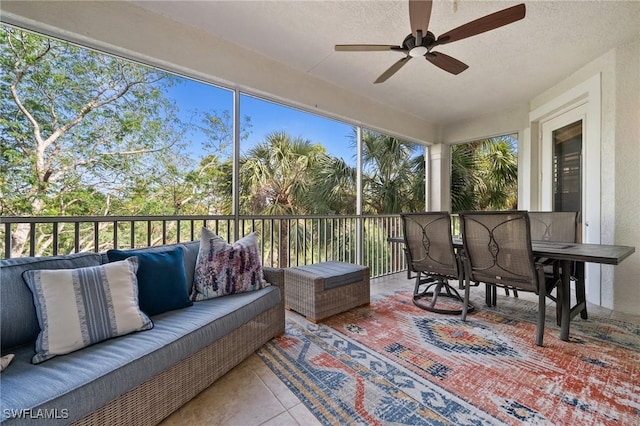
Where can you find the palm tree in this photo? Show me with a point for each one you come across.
(276, 178)
(335, 187)
(464, 180)
(391, 175)
(484, 175)
(499, 171)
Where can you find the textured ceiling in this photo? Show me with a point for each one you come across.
(507, 67)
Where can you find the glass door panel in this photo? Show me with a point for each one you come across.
(567, 169)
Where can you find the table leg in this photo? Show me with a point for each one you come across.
(580, 290)
(564, 299)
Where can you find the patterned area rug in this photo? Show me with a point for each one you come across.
(392, 363)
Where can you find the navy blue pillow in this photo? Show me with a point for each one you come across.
(162, 281)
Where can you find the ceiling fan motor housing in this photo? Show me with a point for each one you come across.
(414, 49)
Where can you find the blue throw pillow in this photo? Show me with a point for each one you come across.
(162, 281)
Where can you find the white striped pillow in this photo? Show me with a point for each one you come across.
(79, 307)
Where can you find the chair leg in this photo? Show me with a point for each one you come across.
(417, 286)
(408, 259)
(491, 295)
(542, 299)
(467, 291)
(506, 292)
(436, 292)
(487, 295)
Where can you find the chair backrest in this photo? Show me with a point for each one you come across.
(497, 248)
(560, 227)
(427, 238)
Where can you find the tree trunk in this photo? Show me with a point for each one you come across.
(19, 238)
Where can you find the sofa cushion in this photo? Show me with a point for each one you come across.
(85, 380)
(223, 269)
(18, 321)
(162, 280)
(83, 306)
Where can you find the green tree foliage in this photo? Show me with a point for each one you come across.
(484, 175)
(334, 189)
(83, 133)
(393, 180)
(277, 175)
(78, 128)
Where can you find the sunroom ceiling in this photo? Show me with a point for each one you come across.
(507, 67)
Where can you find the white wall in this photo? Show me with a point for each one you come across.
(626, 289)
(511, 120)
(127, 30)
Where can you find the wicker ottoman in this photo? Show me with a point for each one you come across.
(323, 289)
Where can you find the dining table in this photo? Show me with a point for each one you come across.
(566, 253)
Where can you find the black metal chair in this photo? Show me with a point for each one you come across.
(430, 253)
(497, 251)
(561, 227)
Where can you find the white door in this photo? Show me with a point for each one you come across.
(570, 179)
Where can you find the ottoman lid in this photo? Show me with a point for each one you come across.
(335, 274)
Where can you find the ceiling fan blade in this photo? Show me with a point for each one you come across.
(365, 47)
(419, 16)
(486, 23)
(392, 69)
(446, 62)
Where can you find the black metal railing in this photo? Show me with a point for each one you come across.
(285, 240)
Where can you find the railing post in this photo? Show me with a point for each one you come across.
(359, 222)
(55, 238)
(7, 240)
(32, 239)
(235, 184)
(76, 237)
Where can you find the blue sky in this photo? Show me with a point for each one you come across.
(266, 117)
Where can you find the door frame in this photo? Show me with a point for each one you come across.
(582, 100)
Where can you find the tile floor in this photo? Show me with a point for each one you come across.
(252, 395)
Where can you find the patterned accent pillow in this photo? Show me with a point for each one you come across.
(223, 269)
(79, 307)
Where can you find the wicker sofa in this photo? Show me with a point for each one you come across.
(139, 378)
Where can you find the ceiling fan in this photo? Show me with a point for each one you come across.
(421, 41)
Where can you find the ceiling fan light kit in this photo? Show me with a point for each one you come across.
(421, 41)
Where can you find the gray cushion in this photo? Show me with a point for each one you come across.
(85, 380)
(18, 321)
(335, 274)
(190, 256)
